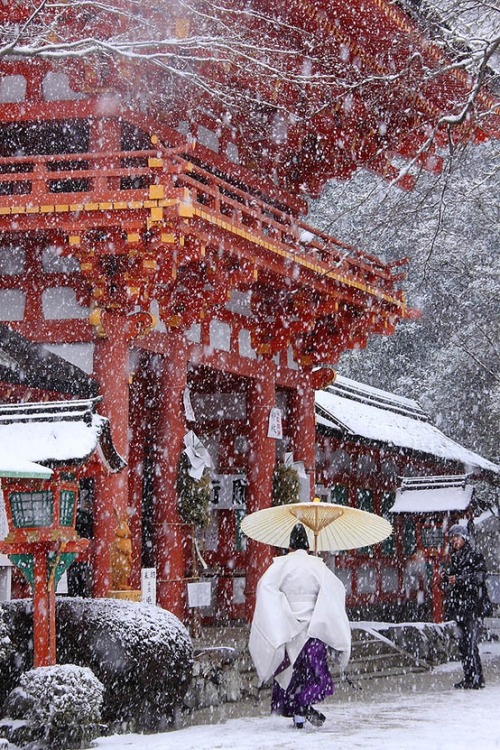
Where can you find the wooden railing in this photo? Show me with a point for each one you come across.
(213, 194)
(112, 177)
(30, 180)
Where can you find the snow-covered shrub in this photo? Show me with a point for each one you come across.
(60, 706)
(5, 642)
(142, 654)
(18, 620)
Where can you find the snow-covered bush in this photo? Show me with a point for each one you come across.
(5, 642)
(60, 706)
(142, 654)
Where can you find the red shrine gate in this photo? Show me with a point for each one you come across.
(209, 254)
(180, 267)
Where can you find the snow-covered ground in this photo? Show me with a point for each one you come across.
(413, 712)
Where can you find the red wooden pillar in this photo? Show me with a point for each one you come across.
(44, 611)
(111, 368)
(139, 426)
(303, 422)
(261, 464)
(170, 534)
(438, 613)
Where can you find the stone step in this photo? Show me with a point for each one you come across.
(224, 671)
(386, 672)
(374, 668)
(237, 637)
(371, 654)
(357, 663)
(370, 648)
(380, 664)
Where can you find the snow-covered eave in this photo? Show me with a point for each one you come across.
(29, 448)
(437, 500)
(24, 470)
(351, 389)
(401, 431)
(108, 454)
(331, 422)
(488, 471)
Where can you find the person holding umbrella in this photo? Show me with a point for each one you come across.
(300, 604)
(299, 612)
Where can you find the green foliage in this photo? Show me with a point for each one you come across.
(449, 228)
(286, 485)
(193, 495)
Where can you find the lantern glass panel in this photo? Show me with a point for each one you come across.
(67, 511)
(32, 509)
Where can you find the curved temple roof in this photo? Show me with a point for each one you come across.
(296, 91)
(33, 436)
(360, 410)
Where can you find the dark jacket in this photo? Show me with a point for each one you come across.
(465, 598)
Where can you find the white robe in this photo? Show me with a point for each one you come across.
(298, 598)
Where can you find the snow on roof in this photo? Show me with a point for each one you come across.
(34, 434)
(48, 441)
(17, 466)
(361, 410)
(439, 499)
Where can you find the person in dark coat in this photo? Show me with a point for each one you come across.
(465, 581)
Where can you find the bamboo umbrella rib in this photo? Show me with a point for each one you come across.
(329, 526)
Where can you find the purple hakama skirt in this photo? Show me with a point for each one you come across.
(311, 681)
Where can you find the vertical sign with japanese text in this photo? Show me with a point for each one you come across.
(275, 424)
(148, 585)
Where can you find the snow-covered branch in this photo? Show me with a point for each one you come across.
(228, 35)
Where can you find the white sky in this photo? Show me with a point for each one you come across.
(414, 712)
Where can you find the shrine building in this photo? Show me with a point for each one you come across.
(380, 452)
(374, 450)
(153, 229)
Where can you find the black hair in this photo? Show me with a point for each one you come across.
(298, 537)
